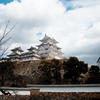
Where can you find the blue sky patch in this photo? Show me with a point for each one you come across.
(65, 2)
(5, 2)
(90, 26)
(72, 8)
(69, 5)
(39, 33)
(69, 8)
(19, 0)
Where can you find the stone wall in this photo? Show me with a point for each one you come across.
(26, 67)
(29, 70)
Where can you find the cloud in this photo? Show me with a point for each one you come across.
(77, 29)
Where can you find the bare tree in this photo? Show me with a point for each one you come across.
(4, 38)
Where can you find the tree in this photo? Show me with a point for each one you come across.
(94, 70)
(4, 38)
(7, 76)
(94, 75)
(6, 72)
(51, 71)
(73, 68)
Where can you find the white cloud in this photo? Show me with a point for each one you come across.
(77, 30)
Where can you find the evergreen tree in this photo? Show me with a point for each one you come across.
(51, 71)
(73, 68)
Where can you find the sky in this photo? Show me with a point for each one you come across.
(75, 24)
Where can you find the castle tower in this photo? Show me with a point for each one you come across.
(48, 49)
(16, 54)
(32, 54)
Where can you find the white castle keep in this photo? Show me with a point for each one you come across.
(48, 49)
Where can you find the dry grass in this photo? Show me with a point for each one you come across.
(36, 95)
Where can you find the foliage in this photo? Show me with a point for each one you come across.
(73, 68)
(6, 72)
(51, 71)
(94, 75)
(7, 76)
(94, 70)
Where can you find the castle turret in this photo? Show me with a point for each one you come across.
(32, 54)
(15, 54)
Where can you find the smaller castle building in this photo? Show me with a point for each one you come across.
(32, 54)
(15, 54)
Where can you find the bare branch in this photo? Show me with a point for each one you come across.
(4, 33)
(10, 30)
(3, 42)
(3, 38)
(3, 52)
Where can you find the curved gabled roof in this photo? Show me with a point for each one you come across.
(46, 38)
(17, 49)
(32, 48)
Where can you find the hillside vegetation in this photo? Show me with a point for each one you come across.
(65, 71)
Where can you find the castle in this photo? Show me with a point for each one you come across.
(98, 62)
(48, 49)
